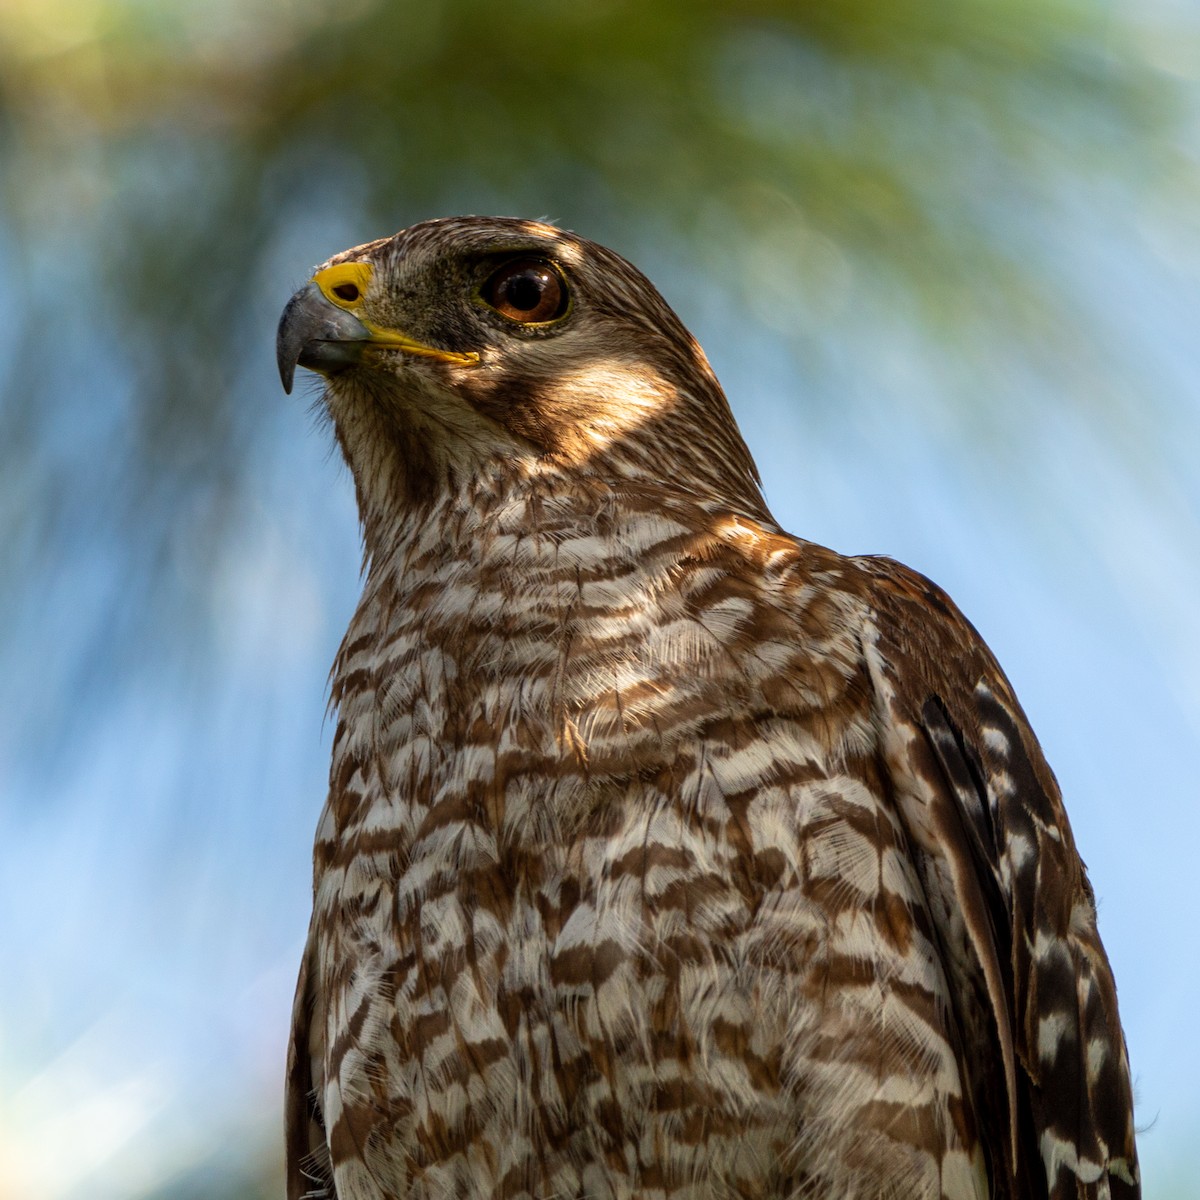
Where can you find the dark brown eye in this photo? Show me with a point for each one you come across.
(527, 290)
(346, 291)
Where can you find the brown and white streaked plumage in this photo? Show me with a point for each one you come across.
(665, 854)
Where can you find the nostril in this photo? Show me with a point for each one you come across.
(346, 291)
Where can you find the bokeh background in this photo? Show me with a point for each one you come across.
(945, 255)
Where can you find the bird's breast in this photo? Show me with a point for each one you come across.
(592, 856)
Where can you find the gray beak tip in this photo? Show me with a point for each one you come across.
(289, 341)
(315, 334)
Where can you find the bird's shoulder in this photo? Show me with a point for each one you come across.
(1014, 911)
(876, 601)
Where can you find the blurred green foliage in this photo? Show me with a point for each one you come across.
(798, 152)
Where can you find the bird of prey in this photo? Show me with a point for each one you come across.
(666, 856)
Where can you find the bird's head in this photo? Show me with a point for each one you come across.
(477, 346)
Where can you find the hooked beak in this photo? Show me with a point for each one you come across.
(318, 335)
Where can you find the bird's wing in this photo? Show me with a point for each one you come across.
(1009, 896)
(309, 1176)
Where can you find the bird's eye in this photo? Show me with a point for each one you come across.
(527, 290)
(347, 291)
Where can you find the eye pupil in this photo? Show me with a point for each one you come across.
(346, 291)
(523, 292)
(528, 291)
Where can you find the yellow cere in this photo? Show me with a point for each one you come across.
(346, 284)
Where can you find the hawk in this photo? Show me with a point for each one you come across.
(666, 855)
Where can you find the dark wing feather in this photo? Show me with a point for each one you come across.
(1015, 912)
(309, 1175)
